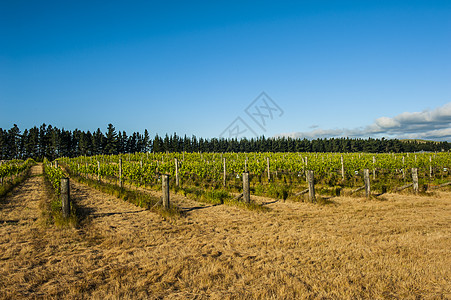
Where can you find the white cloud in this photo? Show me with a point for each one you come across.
(385, 122)
(428, 124)
(314, 134)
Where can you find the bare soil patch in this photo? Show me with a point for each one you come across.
(354, 248)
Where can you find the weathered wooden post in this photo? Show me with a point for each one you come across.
(246, 189)
(303, 164)
(56, 164)
(267, 165)
(224, 174)
(403, 170)
(342, 168)
(165, 187)
(374, 168)
(311, 186)
(176, 172)
(415, 180)
(120, 172)
(366, 177)
(65, 197)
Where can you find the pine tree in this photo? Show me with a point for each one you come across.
(146, 142)
(111, 140)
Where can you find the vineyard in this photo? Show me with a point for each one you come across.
(13, 168)
(344, 246)
(12, 173)
(277, 175)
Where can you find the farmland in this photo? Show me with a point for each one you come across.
(393, 245)
(271, 174)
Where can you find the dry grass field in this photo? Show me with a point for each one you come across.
(398, 247)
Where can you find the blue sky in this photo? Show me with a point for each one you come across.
(327, 68)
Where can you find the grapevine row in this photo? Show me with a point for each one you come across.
(53, 175)
(144, 168)
(13, 168)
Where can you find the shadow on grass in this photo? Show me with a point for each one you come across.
(14, 222)
(270, 202)
(98, 215)
(188, 209)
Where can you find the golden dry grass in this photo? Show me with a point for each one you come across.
(399, 248)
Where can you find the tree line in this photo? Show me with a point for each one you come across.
(51, 142)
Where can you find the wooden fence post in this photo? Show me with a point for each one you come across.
(165, 187)
(246, 190)
(311, 186)
(65, 197)
(415, 180)
(267, 164)
(56, 164)
(120, 172)
(366, 177)
(374, 168)
(177, 181)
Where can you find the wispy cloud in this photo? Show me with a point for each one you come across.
(428, 124)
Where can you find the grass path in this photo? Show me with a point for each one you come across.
(20, 233)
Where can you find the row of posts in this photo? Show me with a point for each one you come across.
(177, 180)
(65, 192)
(65, 189)
(367, 186)
(66, 201)
(165, 188)
(177, 177)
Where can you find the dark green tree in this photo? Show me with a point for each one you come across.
(111, 140)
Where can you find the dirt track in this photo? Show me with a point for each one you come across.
(397, 248)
